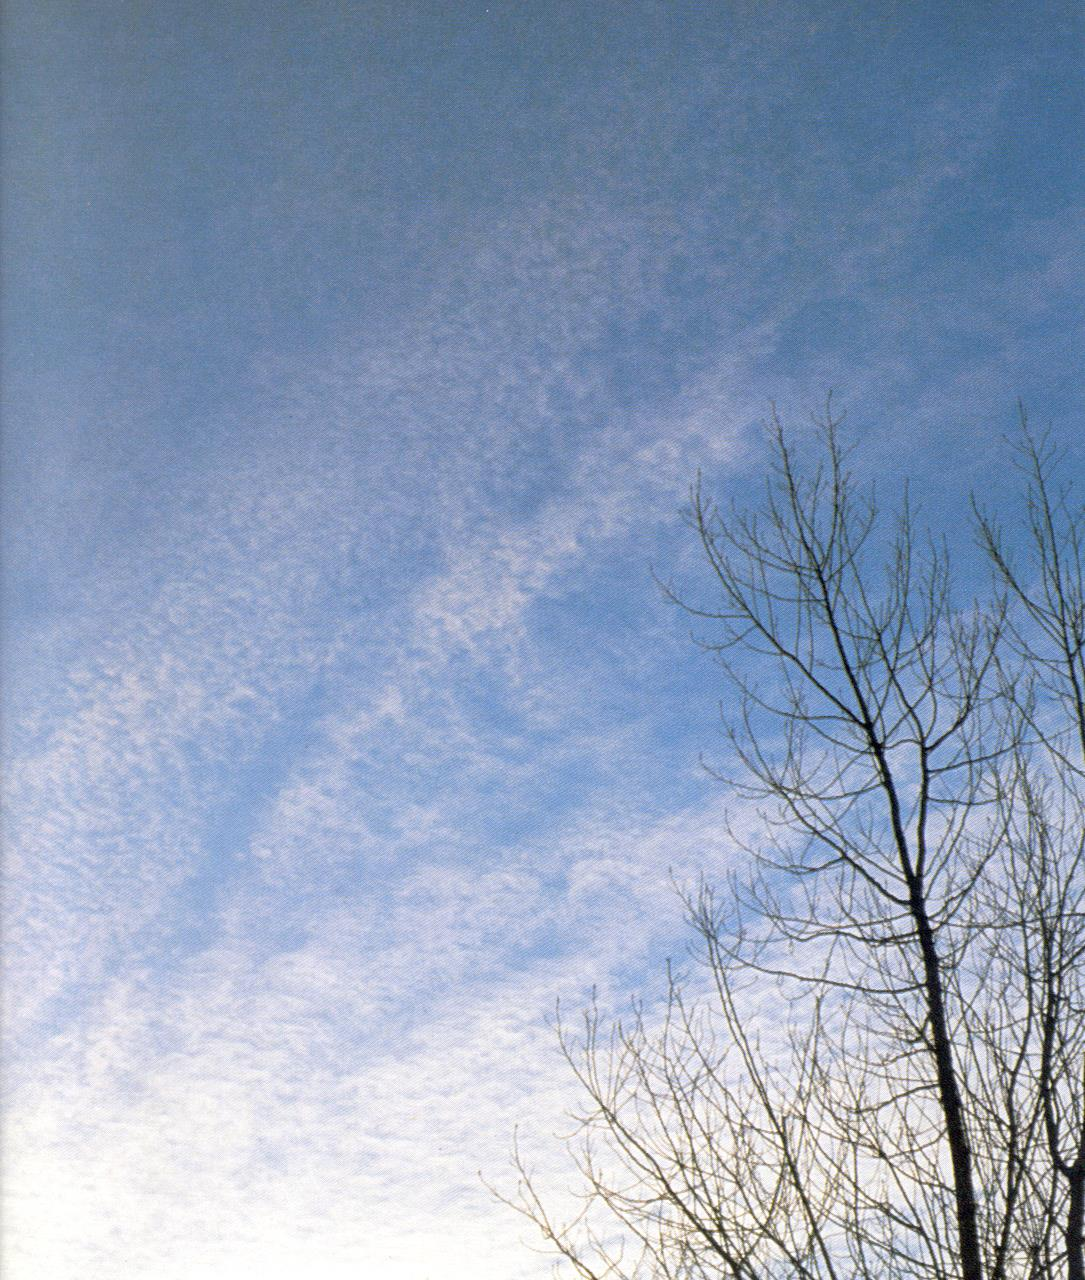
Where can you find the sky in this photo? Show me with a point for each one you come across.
(357, 359)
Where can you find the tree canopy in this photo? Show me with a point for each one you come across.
(875, 1067)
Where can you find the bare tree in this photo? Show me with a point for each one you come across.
(876, 1068)
(1043, 680)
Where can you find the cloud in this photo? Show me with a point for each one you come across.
(374, 737)
(336, 1100)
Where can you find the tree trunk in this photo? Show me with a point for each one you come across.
(950, 1097)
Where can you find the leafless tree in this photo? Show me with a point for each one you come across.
(874, 1065)
(1043, 680)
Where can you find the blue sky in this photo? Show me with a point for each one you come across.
(357, 359)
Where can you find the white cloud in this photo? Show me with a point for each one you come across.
(334, 1104)
(307, 1082)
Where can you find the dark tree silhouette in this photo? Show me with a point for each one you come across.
(875, 1066)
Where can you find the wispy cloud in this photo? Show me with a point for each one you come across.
(369, 735)
(341, 1096)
